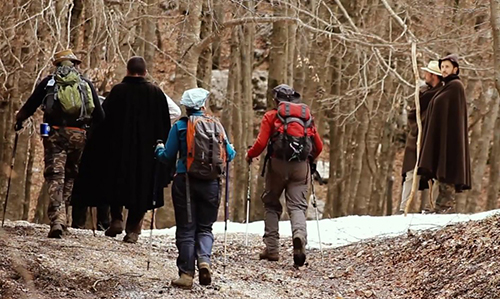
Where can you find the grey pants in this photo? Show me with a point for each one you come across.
(293, 178)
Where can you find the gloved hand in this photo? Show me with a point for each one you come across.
(18, 126)
(159, 145)
(313, 166)
(248, 159)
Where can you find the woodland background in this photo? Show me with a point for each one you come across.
(350, 59)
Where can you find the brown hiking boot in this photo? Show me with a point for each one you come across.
(205, 274)
(299, 252)
(131, 238)
(185, 281)
(114, 229)
(56, 231)
(270, 256)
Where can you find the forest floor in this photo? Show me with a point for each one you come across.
(457, 261)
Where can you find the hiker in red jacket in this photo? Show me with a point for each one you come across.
(293, 145)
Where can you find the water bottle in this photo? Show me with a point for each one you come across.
(44, 129)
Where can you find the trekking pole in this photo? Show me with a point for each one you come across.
(226, 216)
(315, 205)
(248, 202)
(151, 237)
(10, 176)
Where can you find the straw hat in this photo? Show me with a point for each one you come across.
(65, 55)
(433, 68)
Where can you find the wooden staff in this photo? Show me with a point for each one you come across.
(419, 124)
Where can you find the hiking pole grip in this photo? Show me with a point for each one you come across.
(12, 161)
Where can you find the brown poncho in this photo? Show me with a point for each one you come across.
(445, 147)
(410, 156)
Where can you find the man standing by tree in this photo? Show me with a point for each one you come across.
(294, 142)
(433, 83)
(67, 121)
(445, 148)
(123, 168)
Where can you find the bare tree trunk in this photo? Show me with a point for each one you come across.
(277, 73)
(361, 176)
(76, 19)
(204, 71)
(481, 155)
(218, 7)
(238, 204)
(495, 152)
(149, 29)
(494, 182)
(291, 44)
(337, 147)
(42, 206)
(189, 36)
(29, 177)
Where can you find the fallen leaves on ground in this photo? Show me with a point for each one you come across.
(459, 261)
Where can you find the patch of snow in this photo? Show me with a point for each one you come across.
(350, 229)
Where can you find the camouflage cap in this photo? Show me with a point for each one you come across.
(283, 92)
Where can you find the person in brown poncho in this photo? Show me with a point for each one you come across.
(433, 83)
(445, 144)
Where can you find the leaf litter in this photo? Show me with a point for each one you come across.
(457, 261)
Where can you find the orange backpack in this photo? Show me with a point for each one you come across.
(206, 147)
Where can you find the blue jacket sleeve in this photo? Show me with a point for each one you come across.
(169, 152)
(231, 153)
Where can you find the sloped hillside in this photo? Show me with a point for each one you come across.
(459, 261)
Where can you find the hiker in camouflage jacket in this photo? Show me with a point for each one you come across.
(64, 145)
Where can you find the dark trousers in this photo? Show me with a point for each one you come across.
(134, 219)
(194, 239)
(79, 216)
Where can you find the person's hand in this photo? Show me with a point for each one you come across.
(159, 145)
(248, 159)
(18, 126)
(313, 166)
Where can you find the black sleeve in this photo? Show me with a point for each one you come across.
(34, 101)
(98, 113)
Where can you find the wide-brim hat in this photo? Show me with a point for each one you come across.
(65, 55)
(432, 67)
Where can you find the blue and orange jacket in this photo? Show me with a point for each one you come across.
(177, 143)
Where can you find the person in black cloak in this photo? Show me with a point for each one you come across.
(118, 165)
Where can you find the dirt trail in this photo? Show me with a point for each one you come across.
(459, 261)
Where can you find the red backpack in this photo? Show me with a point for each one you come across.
(293, 129)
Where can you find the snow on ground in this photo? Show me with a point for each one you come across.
(347, 230)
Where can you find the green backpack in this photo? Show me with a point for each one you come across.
(71, 92)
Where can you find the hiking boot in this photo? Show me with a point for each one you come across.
(131, 238)
(56, 231)
(299, 252)
(185, 281)
(114, 229)
(205, 274)
(270, 256)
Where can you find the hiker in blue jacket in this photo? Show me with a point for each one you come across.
(195, 195)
